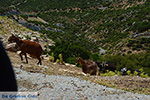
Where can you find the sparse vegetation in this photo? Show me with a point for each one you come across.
(130, 61)
(108, 73)
(79, 28)
(139, 44)
(107, 27)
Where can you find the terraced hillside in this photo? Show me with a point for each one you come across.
(80, 28)
(38, 5)
(115, 31)
(7, 26)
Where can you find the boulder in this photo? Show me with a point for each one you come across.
(12, 47)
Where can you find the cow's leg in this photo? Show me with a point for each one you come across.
(26, 57)
(20, 54)
(40, 62)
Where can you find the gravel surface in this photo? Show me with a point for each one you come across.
(52, 87)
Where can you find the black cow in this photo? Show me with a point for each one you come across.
(104, 66)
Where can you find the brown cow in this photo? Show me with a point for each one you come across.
(34, 49)
(88, 66)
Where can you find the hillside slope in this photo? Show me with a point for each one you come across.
(118, 29)
(137, 84)
(108, 23)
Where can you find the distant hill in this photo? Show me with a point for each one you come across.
(81, 27)
(42, 5)
(107, 22)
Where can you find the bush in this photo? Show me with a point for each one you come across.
(128, 72)
(144, 75)
(57, 61)
(141, 70)
(108, 73)
(70, 51)
(118, 72)
(139, 44)
(72, 46)
(71, 60)
(95, 57)
(130, 61)
(141, 26)
(60, 58)
(135, 73)
(51, 58)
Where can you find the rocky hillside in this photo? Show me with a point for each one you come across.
(8, 26)
(108, 30)
(109, 23)
(110, 27)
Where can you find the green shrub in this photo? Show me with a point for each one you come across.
(135, 73)
(57, 61)
(72, 46)
(130, 61)
(141, 70)
(144, 75)
(128, 72)
(95, 57)
(71, 60)
(139, 44)
(51, 57)
(118, 72)
(61, 58)
(141, 26)
(108, 73)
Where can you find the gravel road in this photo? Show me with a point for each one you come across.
(52, 87)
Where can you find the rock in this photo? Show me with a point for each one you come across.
(59, 25)
(101, 51)
(12, 47)
(18, 52)
(34, 39)
(45, 57)
(67, 64)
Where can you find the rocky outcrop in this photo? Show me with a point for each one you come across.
(12, 47)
